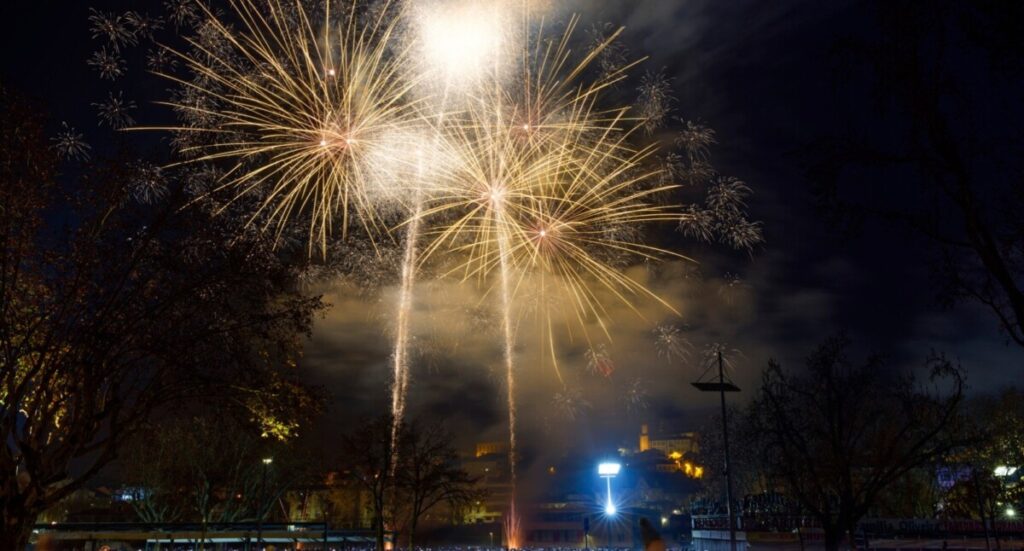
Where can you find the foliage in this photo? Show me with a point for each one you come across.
(119, 310)
(942, 158)
(837, 435)
(983, 488)
(408, 481)
(198, 469)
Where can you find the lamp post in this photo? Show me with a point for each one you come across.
(721, 385)
(608, 471)
(259, 505)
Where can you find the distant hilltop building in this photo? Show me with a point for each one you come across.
(491, 448)
(673, 444)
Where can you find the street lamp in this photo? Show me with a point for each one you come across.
(721, 385)
(259, 506)
(608, 471)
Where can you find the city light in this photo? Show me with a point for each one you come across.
(268, 460)
(1010, 512)
(1003, 470)
(607, 471)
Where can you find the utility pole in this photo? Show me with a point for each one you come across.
(259, 506)
(722, 385)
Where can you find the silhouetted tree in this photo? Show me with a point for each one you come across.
(368, 457)
(208, 472)
(983, 486)
(837, 435)
(113, 308)
(941, 153)
(408, 481)
(430, 474)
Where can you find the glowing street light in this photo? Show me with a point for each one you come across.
(608, 471)
(263, 488)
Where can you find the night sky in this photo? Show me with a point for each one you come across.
(766, 77)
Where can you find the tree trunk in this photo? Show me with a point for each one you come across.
(378, 526)
(16, 528)
(833, 536)
(412, 533)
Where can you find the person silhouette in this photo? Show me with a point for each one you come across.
(651, 538)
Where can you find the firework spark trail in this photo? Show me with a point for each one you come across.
(509, 334)
(400, 383)
(512, 524)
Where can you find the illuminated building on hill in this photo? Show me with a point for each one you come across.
(669, 443)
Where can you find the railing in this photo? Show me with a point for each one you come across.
(874, 528)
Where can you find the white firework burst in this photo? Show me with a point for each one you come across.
(70, 144)
(114, 28)
(159, 60)
(636, 396)
(709, 356)
(181, 12)
(655, 100)
(142, 24)
(148, 184)
(671, 343)
(599, 361)
(571, 403)
(731, 287)
(116, 111)
(109, 64)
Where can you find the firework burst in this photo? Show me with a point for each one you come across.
(296, 104)
(671, 343)
(544, 185)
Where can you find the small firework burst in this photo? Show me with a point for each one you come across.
(732, 285)
(116, 111)
(148, 183)
(672, 344)
(724, 216)
(142, 24)
(108, 63)
(571, 403)
(599, 361)
(612, 56)
(636, 396)
(70, 144)
(181, 12)
(696, 140)
(200, 181)
(694, 167)
(159, 60)
(709, 356)
(114, 28)
(655, 100)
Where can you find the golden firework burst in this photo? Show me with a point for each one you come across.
(297, 104)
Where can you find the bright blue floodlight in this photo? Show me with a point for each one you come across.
(607, 471)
